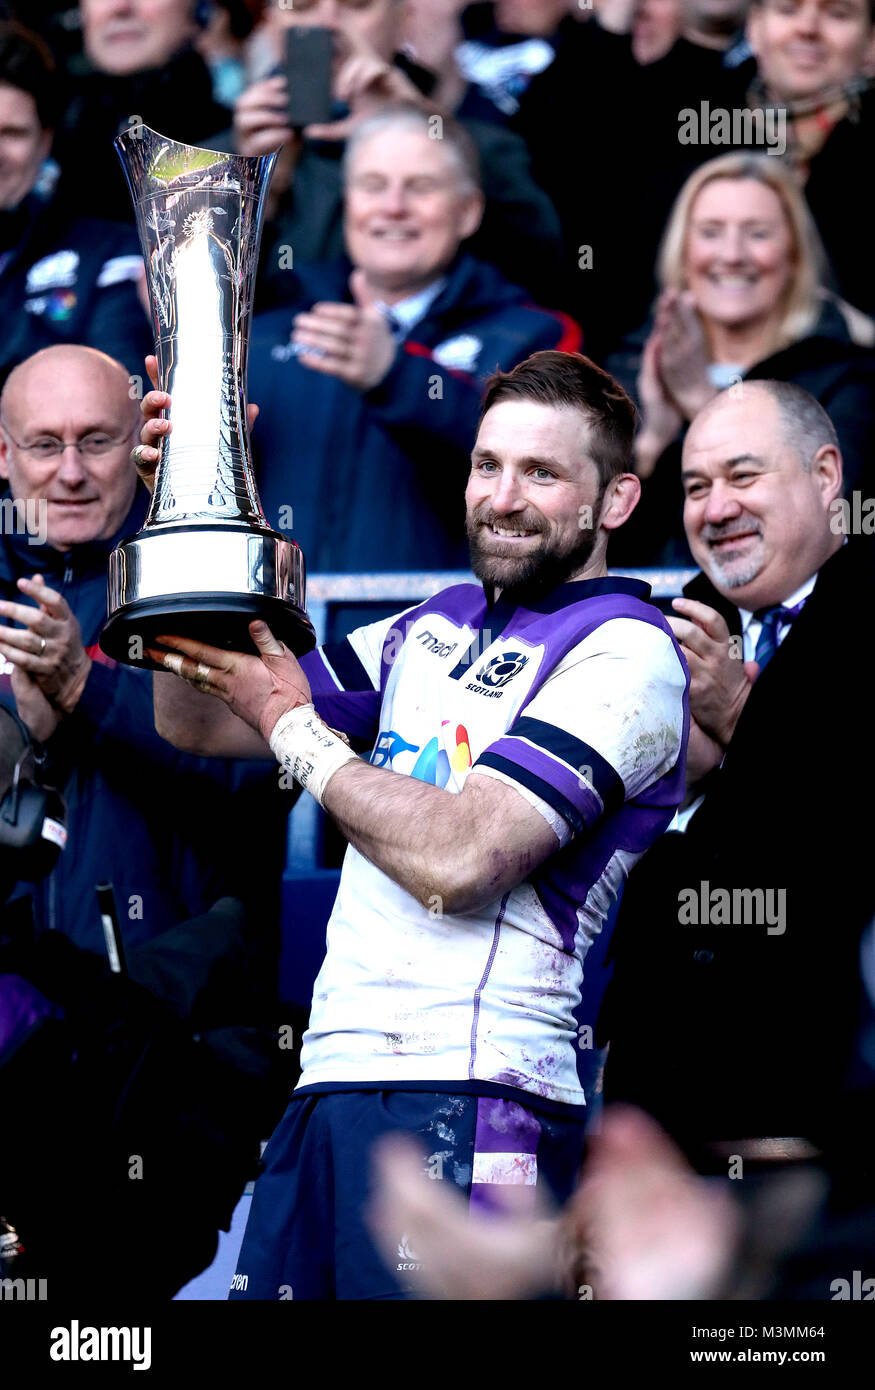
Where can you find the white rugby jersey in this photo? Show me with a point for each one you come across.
(580, 702)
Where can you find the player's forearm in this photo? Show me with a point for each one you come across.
(417, 834)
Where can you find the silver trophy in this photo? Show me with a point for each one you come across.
(205, 563)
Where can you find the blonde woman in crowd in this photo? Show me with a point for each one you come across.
(742, 297)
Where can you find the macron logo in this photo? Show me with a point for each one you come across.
(102, 1344)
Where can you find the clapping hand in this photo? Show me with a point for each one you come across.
(683, 354)
(720, 680)
(661, 420)
(350, 341)
(46, 646)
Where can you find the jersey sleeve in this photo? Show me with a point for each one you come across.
(607, 724)
(346, 677)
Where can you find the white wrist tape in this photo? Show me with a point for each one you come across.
(312, 752)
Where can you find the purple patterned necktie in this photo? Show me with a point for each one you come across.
(772, 619)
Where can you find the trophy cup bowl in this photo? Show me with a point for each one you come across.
(205, 562)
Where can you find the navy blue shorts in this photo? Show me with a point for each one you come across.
(306, 1237)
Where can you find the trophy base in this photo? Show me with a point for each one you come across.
(206, 583)
(218, 621)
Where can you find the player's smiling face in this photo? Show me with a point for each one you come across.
(532, 490)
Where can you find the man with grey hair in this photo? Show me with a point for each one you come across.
(520, 232)
(381, 367)
(758, 523)
(737, 944)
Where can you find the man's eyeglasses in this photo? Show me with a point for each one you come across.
(92, 445)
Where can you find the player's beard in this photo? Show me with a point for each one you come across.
(543, 568)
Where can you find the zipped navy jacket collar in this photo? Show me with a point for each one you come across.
(18, 557)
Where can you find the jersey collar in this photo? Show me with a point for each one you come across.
(575, 590)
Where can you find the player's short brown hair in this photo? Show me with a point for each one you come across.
(567, 379)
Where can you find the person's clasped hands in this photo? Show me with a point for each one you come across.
(50, 663)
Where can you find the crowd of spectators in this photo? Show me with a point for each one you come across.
(675, 188)
(670, 186)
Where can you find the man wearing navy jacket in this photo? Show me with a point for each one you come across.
(381, 370)
(161, 827)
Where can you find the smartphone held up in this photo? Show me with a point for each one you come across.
(309, 59)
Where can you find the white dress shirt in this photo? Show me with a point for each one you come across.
(407, 313)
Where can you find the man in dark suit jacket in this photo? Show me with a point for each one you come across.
(732, 1007)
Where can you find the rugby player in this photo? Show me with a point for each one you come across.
(527, 740)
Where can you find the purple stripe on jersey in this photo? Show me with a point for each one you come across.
(652, 820)
(461, 603)
(315, 668)
(505, 1199)
(564, 885)
(464, 604)
(319, 671)
(564, 882)
(479, 990)
(356, 712)
(550, 770)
